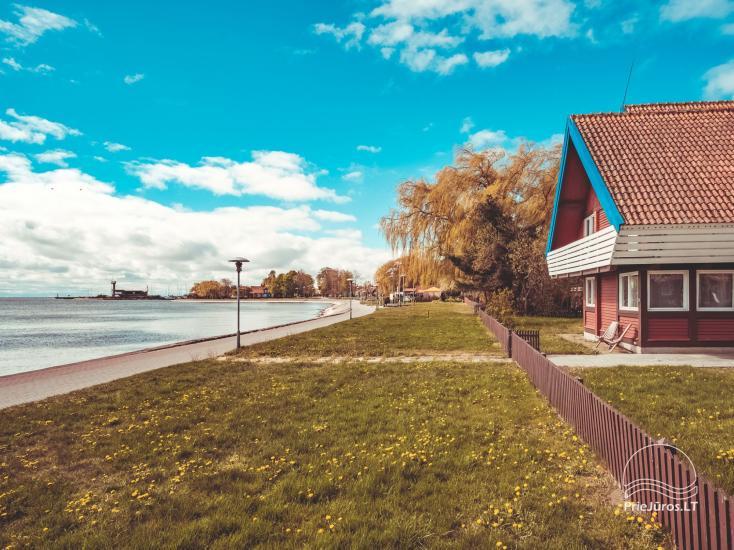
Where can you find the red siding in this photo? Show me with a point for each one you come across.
(590, 320)
(601, 220)
(633, 334)
(715, 330)
(608, 301)
(572, 203)
(667, 329)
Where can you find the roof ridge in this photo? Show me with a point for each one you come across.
(649, 109)
(679, 107)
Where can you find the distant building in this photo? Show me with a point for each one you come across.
(128, 294)
(258, 292)
(430, 293)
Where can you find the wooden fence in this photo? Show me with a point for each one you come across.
(628, 451)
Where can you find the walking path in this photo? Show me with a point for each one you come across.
(32, 386)
(645, 360)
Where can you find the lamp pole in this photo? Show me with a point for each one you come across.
(350, 298)
(238, 265)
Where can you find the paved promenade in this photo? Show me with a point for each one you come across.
(32, 386)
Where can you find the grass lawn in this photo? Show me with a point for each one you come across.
(691, 407)
(231, 453)
(550, 328)
(415, 329)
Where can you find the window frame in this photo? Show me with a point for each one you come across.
(699, 307)
(592, 218)
(591, 294)
(620, 302)
(686, 286)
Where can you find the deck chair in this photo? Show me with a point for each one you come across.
(610, 336)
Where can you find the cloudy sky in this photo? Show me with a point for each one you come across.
(150, 141)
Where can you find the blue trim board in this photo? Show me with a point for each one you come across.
(597, 182)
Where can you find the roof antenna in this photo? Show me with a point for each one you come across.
(627, 87)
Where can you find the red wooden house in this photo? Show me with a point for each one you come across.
(644, 213)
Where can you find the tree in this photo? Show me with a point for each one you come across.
(333, 282)
(480, 224)
(207, 289)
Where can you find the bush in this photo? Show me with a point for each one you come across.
(500, 305)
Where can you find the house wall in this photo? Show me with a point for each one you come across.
(572, 202)
(608, 301)
(577, 201)
(684, 329)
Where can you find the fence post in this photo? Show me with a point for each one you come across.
(509, 343)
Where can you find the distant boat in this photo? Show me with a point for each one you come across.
(64, 297)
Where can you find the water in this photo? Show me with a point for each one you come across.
(36, 333)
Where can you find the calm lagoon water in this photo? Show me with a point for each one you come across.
(36, 333)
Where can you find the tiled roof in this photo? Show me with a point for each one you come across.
(666, 163)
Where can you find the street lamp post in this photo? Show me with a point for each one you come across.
(238, 264)
(350, 298)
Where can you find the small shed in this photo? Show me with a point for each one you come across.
(644, 217)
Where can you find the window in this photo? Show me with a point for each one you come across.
(715, 290)
(667, 291)
(589, 225)
(590, 292)
(629, 291)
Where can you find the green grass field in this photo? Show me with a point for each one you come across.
(416, 329)
(236, 453)
(550, 328)
(691, 407)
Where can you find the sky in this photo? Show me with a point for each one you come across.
(150, 142)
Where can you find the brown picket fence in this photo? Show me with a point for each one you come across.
(617, 440)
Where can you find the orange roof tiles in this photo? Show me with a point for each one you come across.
(666, 163)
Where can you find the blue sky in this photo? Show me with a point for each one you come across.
(165, 136)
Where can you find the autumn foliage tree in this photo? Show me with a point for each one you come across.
(483, 223)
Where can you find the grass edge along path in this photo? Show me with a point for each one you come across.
(234, 454)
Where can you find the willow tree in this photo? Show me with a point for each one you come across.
(466, 221)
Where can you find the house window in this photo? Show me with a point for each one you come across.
(667, 290)
(590, 292)
(715, 290)
(589, 225)
(629, 291)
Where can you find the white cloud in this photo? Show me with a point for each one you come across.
(354, 175)
(466, 125)
(274, 174)
(426, 33)
(509, 18)
(41, 212)
(32, 129)
(720, 81)
(12, 63)
(32, 24)
(332, 216)
(682, 10)
(369, 148)
(133, 78)
(351, 34)
(491, 58)
(486, 139)
(55, 156)
(113, 147)
(43, 68)
(448, 64)
(728, 28)
(628, 25)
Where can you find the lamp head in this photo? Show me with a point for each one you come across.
(238, 262)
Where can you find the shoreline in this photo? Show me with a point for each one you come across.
(25, 387)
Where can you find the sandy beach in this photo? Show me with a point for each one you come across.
(33, 386)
